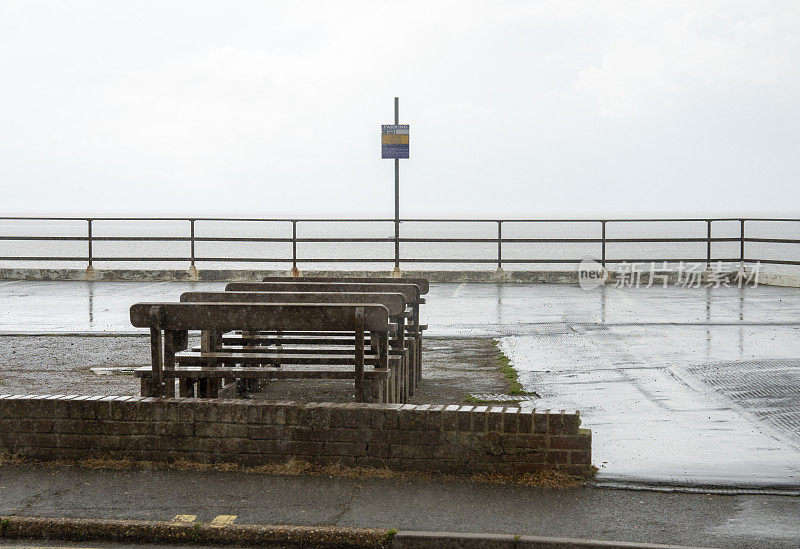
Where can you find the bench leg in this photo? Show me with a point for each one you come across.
(186, 387)
(390, 388)
(412, 357)
(377, 388)
(208, 387)
(367, 391)
(419, 359)
(169, 387)
(409, 379)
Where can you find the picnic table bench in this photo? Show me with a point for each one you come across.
(421, 283)
(370, 370)
(401, 380)
(411, 292)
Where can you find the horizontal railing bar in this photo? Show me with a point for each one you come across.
(247, 219)
(772, 240)
(600, 220)
(34, 238)
(335, 259)
(773, 261)
(506, 260)
(44, 258)
(510, 240)
(410, 220)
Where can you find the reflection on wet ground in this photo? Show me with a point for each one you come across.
(679, 385)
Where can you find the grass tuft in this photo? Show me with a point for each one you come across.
(508, 371)
(390, 534)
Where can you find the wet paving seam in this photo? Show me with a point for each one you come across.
(347, 506)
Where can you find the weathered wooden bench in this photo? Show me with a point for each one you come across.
(401, 381)
(410, 291)
(422, 283)
(370, 371)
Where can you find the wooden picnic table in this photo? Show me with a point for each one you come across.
(402, 381)
(422, 283)
(371, 371)
(411, 291)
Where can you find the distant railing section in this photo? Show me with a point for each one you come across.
(602, 240)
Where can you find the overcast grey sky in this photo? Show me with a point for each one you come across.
(517, 109)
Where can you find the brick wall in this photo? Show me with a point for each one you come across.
(454, 439)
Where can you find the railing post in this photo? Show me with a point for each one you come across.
(603, 244)
(741, 243)
(192, 267)
(397, 239)
(191, 239)
(90, 243)
(294, 271)
(499, 245)
(708, 244)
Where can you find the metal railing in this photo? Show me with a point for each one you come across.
(602, 241)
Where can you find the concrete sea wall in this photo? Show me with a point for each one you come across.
(250, 275)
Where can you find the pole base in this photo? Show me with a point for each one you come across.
(396, 273)
(193, 276)
(295, 272)
(89, 273)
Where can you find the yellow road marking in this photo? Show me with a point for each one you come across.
(181, 519)
(222, 520)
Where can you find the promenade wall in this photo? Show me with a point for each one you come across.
(443, 439)
(254, 275)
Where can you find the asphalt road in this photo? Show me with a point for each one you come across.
(621, 515)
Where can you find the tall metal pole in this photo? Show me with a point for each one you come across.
(397, 195)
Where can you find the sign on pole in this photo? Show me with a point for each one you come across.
(394, 144)
(394, 141)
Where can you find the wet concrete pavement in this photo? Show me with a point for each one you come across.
(489, 310)
(404, 504)
(679, 385)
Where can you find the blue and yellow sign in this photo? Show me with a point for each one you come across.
(394, 141)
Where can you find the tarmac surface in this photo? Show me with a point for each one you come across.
(404, 504)
(680, 386)
(49, 364)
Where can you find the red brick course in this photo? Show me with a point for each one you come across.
(450, 439)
